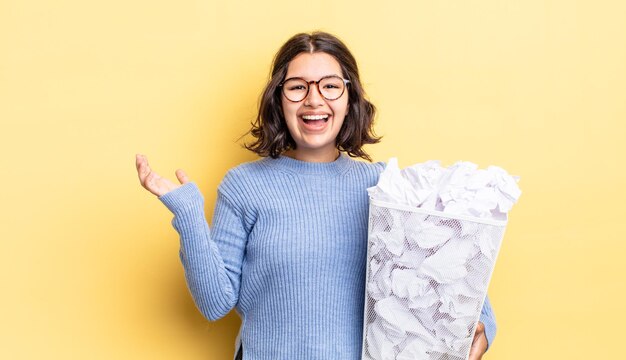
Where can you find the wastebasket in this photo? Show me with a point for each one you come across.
(427, 278)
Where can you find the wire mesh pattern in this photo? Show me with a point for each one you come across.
(427, 278)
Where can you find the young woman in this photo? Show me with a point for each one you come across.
(287, 246)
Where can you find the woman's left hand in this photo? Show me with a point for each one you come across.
(479, 344)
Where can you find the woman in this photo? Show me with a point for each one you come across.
(287, 245)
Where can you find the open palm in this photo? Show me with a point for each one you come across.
(154, 182)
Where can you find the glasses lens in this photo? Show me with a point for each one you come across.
(295, 89)
(332, 87)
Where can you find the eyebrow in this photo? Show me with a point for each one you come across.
(291, 77)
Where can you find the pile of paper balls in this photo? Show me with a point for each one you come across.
(428, 272)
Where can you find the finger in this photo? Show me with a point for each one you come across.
(182, 176)
(143, 169)
(138, 158)
(151, 183)
(480, 330)
(479, 346)
(480, 327)
(478, 349)
(149, 180)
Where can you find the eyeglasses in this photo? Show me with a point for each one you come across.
(330, 87)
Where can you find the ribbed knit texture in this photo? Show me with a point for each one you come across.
(287, 248)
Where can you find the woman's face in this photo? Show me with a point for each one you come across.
(315, 138)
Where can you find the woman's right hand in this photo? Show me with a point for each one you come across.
(153, 182)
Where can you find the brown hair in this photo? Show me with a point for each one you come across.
(269, 128)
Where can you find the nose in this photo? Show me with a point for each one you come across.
(314, 97)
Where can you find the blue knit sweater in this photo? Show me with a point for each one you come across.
(287, 249)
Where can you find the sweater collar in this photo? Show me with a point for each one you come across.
(340, 165)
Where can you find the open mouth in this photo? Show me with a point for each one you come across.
(315, 120)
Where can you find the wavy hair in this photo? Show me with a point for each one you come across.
(270, 131)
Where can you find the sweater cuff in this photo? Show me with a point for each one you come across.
(185, 197)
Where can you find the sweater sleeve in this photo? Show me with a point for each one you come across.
(212, 258)
(488, 318)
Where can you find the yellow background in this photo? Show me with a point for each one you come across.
(89, 261)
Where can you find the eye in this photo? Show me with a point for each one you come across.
(296, 87)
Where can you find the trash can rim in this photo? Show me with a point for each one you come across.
(438, 213)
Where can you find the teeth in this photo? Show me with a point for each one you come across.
(314, 117)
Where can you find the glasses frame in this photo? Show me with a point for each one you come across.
(317, 85)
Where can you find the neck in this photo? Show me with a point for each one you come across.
(318, 157)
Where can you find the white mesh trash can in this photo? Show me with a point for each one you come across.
(427, 278)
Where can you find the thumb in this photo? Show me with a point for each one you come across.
(182, 176)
